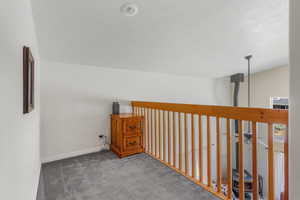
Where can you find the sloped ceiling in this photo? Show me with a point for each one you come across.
(206, 38)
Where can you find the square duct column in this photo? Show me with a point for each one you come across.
(236, 79)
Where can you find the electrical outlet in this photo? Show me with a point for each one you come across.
(101, 136)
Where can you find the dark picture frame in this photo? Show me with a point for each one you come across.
(28, 80)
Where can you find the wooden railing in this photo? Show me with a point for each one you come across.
(185, 137)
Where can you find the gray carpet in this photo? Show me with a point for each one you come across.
(103, 176)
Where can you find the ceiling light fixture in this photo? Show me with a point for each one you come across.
(129, 9)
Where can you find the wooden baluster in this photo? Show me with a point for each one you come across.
(142, 126)
(254, 161)
(241, 162)
(179, 141)
(151, 131)
(229, 159)
(218, 156)
(193, 145)
(271, 174)
(286, 165)
(144, 129)
(208, 153)
(169, 139)
(186, 145)
(159, 135)
(155, 133)
(200, 168)
(174, 139)
(148, 131)
(165, 136)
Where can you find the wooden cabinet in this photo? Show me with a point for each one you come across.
(126, 134)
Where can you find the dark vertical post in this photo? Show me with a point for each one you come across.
(248, 58)
(236, 79)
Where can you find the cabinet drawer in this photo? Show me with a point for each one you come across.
(132, 127)
(132, 142)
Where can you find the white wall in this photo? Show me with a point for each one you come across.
(266, 84)
(19, 134)
(76, 101)
(294, 139)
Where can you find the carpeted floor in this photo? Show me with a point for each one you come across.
(103, 176)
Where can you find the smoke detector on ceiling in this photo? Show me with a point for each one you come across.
(129, 9)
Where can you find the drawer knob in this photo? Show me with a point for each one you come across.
(132, 127)
(132, 143)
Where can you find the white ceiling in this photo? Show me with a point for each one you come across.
(185, 37)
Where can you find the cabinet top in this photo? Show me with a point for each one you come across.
(125, 115)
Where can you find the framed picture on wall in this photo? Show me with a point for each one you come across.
(28, 80)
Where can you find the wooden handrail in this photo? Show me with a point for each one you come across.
(171, 136)
(239, 113)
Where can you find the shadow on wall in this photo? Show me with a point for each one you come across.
(223, 92)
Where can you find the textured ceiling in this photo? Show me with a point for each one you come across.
(184, 37)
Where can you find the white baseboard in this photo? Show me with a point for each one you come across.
(73, 154)
(37, 181)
